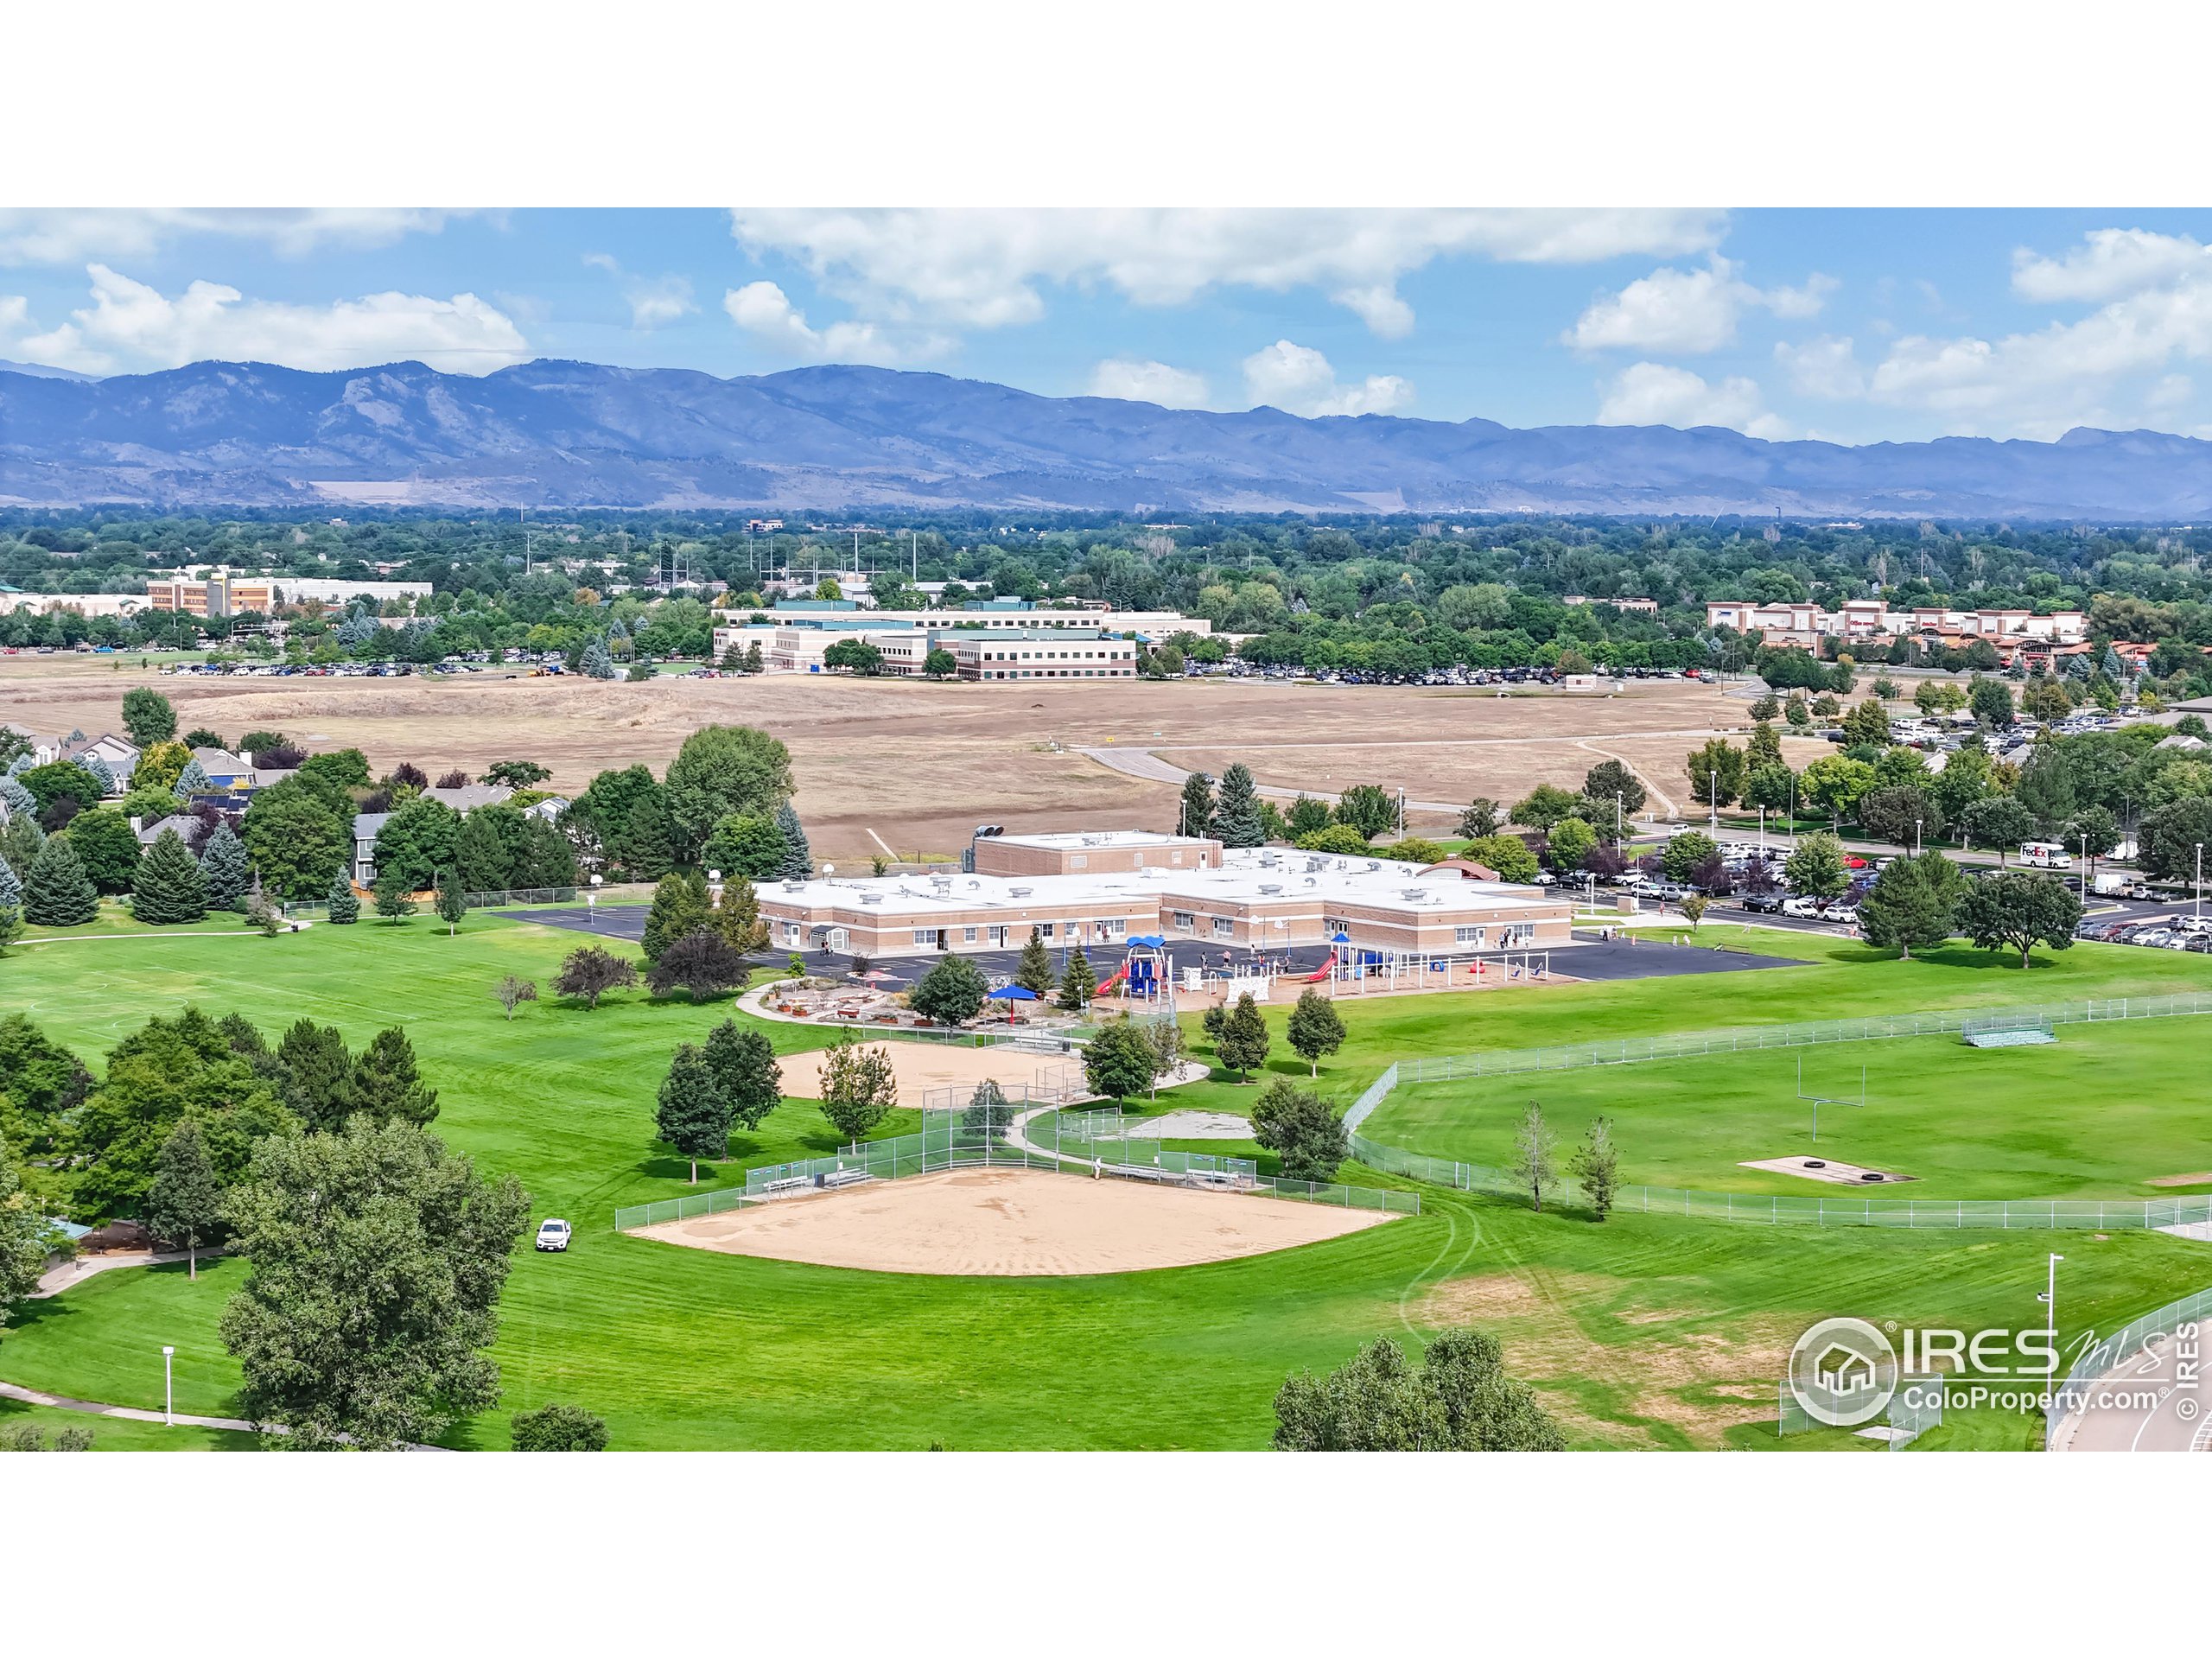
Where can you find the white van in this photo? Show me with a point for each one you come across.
(2046, 856)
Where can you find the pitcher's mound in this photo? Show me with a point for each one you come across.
(1014, 1223)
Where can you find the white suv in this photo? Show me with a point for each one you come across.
(552, 1235)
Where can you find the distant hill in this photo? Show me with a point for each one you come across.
(577, 435)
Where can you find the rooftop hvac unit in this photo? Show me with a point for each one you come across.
(871, 897)
(1270, 887)
(1019, 893)
(1374, 864)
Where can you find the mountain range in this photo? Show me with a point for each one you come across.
(553, 434)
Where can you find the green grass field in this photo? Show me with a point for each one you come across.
(1644, 1331)
(2098, 1114)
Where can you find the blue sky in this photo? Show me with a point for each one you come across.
(1857, 326)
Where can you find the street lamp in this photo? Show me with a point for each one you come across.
(1916, 837)
(2197, 886)
(2049, 1300)
(168, 1387)
(1712, 796)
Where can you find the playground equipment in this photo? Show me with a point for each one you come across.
(1146, 974)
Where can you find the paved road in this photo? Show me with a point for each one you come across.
(2154, 1401)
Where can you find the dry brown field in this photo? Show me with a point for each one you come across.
(919, 765)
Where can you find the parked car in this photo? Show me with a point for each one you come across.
(1839, 912)
(1765, 904)
(553, 1234)
(1797, 905)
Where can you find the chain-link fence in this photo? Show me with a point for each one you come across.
(1632, 1050)
(2072, 1396)
(1002, 1134)
(1915, 1407)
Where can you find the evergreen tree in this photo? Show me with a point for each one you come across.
(1243, 1044)
(481, 856)
(738, 915)
(693, 1115)
(1596, 1165)
(388, 1085)
(743, 1061)
(56, 891)
(1196, 817)
(645, 849)
(318, 1074)
(798, 857)
(11, 887)
(184, 1204)
(452, 902)
(1914, 901)
(224, 869)
(19, 801)
(168, 887)
(1034, 971)
(192, 781)
(345, 905)
(1236, 818)
(1079, 983)
(679, 907)
(599, 666)
(754, 663)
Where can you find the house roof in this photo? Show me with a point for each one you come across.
(366, 825)
(222, 763)
(466, 797)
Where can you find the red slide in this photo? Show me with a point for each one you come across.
(1119, 975)
(1326, 967)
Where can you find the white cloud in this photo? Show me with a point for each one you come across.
(1673, 310)
(70, 236)
(653, 300)
(1299, 379)
(1661, 394)
(2108, 264)
(131, 326)
(766, 312)
(15, 312)
(1824, 366)
(982, 268)
(1148, 383)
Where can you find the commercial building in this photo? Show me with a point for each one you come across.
(85, 605)
(1257, 899)
(793, 636)
(218, 592)
(1801, 623)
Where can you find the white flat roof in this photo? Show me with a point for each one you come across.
(1076, 840)
(1248, 876)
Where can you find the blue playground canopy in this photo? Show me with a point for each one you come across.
(1149, 941)
(1013, 994)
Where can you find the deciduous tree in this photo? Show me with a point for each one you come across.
(952, 991)
(1535, 1164)
(858, 1086)
(1242, 1044)
(1316, 1028)
(743, 1061)
(377, 1260)
(1300, 1129)
(1596, 1167)
(590, 971)
(185, 1203)
(2019, 911)
(514, 991)
(1118, 1061)
(701, 963)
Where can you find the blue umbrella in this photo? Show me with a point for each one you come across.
(1013, 994)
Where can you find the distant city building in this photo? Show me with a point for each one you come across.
(226, 593)
(85, 605)
(1801, 623)
(1645, 606)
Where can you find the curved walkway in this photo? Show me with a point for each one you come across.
(137, 1414)
(2153, 1401)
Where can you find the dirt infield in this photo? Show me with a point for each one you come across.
(921, 1067)
(1015, 1223)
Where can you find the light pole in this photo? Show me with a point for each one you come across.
(168, 1387)
(1713, 797)
(2197, 886)
(1916, 837)
(2049, 1300)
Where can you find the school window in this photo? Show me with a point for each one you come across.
(924, 935)
(1185, 920)
(1225, 927)
(1473, 936)
(967, 936)
(1333, 925)
(1078, 860)
(1045, 928)
(1520, 933)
